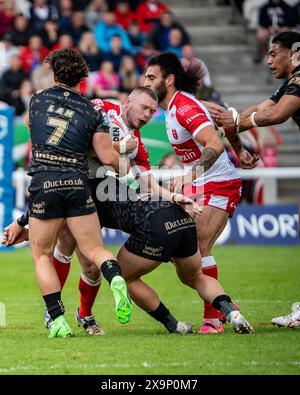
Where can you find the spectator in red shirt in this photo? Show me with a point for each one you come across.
(7, 17)
(33, 54)
(124, 16)
(148, 13)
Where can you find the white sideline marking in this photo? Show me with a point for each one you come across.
(144, 364)
(96, 366)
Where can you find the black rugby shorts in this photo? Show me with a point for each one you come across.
(168, 233)
(60, 195)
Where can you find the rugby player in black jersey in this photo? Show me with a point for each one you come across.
(284, 62)
(63, 126)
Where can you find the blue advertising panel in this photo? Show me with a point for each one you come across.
(251, 224)
(6, 168)
(265, 225)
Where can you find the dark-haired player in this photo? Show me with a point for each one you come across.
(284, 62)
(191, 132)
(63, 125)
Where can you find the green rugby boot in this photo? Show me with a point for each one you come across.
(60, 328)
(122, 299)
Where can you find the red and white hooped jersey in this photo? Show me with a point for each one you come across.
(185, 118)
(139, 158)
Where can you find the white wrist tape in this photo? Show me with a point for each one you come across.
(235, 114)
(123, 143)
(253, 120)
(236, 117)
(174, 197)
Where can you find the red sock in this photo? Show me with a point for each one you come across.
(209, 268)
(62, 270)
(88, 292)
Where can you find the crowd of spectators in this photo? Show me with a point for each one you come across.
(116, 38)
(266, 18)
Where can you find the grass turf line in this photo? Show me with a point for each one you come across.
(263, 280)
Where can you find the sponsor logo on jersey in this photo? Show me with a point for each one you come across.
(175, 134)
(49, 158)
(190, 119)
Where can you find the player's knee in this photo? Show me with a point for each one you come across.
(93, 274)
(42, 257)
(66, 242)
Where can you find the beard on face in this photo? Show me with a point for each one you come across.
(161, 91)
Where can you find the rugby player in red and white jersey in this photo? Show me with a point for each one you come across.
(126, 140)
(215, 182)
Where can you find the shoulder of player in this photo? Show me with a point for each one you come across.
(295, 80)
(137, 133)
(186, 102)
(38, 92)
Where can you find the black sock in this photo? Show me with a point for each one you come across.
(110, 269)
(224, 304)
(163, 315)
(54, 305)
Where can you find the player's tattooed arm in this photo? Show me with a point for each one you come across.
(213, 148)
(208, 158)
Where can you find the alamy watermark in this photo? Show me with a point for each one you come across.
(112, 188)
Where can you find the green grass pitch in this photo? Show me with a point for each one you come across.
(263, 280)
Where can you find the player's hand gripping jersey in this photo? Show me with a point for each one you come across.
(139, 158)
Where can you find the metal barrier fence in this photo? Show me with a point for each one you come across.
(269, 176)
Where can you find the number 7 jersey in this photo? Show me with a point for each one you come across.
(61, 124)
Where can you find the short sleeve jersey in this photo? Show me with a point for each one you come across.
(290, 87)
(186, 117)
(62, 123)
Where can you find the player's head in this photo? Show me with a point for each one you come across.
(68, 66)
(140, 106)
(283, 54)
(166, 72)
